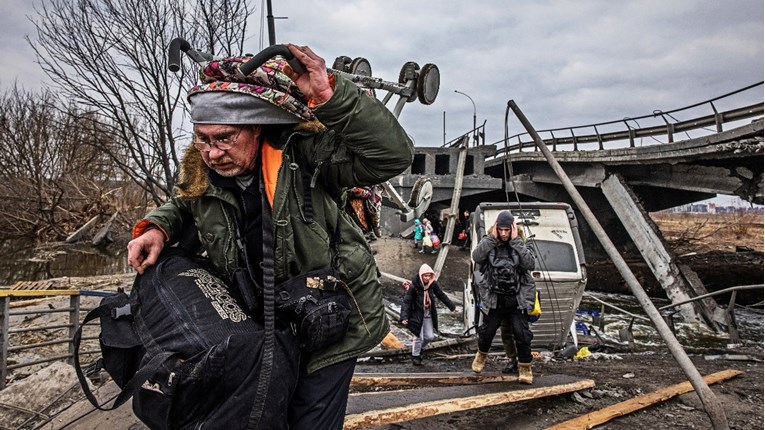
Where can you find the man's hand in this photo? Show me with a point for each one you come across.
(144, 250)
(314, 83)
(405, 322)
(514, 231)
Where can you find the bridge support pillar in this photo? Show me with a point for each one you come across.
(679, 282)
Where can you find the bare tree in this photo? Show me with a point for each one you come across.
(109, 58)
(53, 168)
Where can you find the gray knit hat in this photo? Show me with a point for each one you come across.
(505, 220)
(236, 109)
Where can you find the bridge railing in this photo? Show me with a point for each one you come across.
(623, 133)
(53, 332)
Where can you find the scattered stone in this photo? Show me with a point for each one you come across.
(575, 396)
(35, 392)
(628, 375)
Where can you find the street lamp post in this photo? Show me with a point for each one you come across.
(475, 137)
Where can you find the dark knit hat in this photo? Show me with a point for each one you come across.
(505, 220)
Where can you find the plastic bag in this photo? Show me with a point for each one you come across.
(435, 240)
(426, 241)
(462, 235)
(537, 311)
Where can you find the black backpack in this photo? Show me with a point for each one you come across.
(189, 355)
(503, 265)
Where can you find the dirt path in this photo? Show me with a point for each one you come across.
(618, 378)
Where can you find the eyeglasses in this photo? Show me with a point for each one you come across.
(222, 144)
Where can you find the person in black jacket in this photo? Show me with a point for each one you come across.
(506, 290)
(418, 311)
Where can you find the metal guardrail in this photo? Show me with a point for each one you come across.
(629, 133)
(6, 313)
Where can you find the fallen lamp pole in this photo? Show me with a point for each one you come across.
(712, 405)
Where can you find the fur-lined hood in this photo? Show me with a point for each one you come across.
(193, 173)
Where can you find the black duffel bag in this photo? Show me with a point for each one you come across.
(189, 355)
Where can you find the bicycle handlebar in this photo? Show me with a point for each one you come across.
(272, 51)
(179, 45)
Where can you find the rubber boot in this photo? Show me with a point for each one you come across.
(524, 373)
(479, 361)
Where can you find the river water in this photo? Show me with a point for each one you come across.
(22, 261)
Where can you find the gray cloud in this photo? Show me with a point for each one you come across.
(564, 63)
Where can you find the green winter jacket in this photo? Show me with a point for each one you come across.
(358, 142)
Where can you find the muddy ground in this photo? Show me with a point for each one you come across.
(618, 376)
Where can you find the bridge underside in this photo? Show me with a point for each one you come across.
(621, 186)
(663, 176)
(660, 176)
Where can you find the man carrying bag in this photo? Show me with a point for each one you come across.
(260, 189)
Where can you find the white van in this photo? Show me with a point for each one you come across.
(551, 232)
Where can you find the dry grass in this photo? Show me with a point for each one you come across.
(695, 232)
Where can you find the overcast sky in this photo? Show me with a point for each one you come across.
(564, 63)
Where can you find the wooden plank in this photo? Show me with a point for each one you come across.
(408, 350)
(30, 293)
(42, 285)
(637, 403)
(24, 303)
(33, 285)
(419, 379)
(444, 400)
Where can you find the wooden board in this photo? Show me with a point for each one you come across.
(33, 285)
(365, 409)
(408, 350)
(38, 293)
(380, 408)
(420, 379)
(628, 406)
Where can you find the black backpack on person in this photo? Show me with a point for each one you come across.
(190, 356)
(503, 265)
